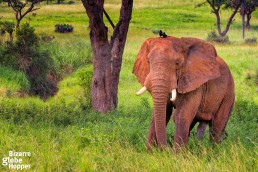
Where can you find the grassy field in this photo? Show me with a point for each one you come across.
(64, 134)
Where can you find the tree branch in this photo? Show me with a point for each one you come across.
(230, 19)
(107, 16)
(200, 4)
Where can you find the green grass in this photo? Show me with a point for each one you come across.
(63, 134)
(12, 80)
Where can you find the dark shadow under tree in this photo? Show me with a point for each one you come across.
(107, 55)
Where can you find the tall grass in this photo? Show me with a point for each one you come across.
(64, 134)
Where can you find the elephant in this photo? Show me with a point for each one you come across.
(187, 77)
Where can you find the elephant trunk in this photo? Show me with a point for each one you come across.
(160, 96)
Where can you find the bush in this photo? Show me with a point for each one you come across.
(70, 2)
(71, 101)
(214, 37)
(8, 27)
(252, 40)
(25, 54)
(63, 28)
(77, 86)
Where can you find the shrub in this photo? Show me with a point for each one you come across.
(25, 54)
(71, 101)
(70, 2)
(8, 27)
(252, 40)
(63, 28)
(77, 86)
(214, 37)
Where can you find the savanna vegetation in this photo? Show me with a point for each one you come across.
(64, 134)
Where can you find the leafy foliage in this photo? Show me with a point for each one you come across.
(35, 63)
(8, 27)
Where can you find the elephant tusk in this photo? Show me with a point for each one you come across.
(141, 91)
(173, 95)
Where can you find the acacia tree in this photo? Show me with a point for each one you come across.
(107, 55)
(216, 6)
(18, 6)
(246, 9)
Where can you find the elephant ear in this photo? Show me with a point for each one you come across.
(200, 65)
(141, 66)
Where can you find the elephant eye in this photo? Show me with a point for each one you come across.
(177, 63)
(148, 61)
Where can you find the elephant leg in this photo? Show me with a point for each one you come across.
(184, 116)
(220, 120)
(152, 140)
(200, 130)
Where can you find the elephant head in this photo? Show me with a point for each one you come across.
(168, 66)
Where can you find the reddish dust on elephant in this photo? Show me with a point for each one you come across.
(187, 75)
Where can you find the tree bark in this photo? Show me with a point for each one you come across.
(117, 44)
(243, 26)
(242, 13)
(248, 15)
(225, 31)
(107, 57)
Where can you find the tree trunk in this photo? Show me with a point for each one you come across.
(229, 22)
(243, 26)
(11, 36)
(117, 44)
(218, 23)
(101, 81)
(242, 13)
(225, 31)
(107, 58)
(17, 23)
(248, 15)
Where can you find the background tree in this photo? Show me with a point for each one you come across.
(18, 7)
(246, 9)
(216, 6)
(251, 6)
(107, 55)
